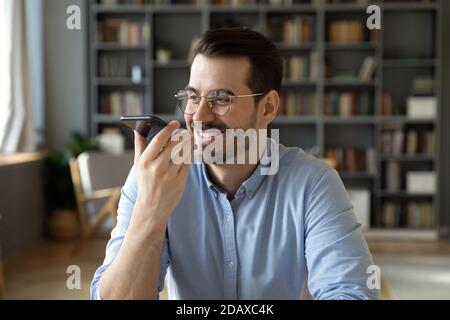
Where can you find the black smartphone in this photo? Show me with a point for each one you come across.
(146, 125)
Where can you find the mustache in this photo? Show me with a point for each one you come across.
(205, 127)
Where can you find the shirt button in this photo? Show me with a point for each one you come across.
(231, 264)
(229, 218)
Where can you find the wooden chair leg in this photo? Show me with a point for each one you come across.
(113, 207)
(108, 209)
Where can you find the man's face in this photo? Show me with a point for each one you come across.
(209, 74)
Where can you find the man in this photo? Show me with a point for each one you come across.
(226, 231)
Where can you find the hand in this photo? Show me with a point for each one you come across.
(161, 182)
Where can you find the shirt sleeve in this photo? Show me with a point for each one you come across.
(337, 254)
(124, 212)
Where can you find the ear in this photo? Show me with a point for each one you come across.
(269, 108)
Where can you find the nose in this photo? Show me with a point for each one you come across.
(203, 113)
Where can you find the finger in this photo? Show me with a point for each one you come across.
(188, 155)
(139, 146)
(182, 151)
(160, 140)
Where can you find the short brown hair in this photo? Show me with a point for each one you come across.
(266, 62)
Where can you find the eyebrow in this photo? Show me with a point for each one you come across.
(217, 89)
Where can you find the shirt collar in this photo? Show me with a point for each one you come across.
(252, 184)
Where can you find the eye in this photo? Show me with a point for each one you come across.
(193, 97)
(222, 99)
(219, 98)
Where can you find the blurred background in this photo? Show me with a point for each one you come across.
(374, 103)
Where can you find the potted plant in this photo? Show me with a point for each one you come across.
(63, 223)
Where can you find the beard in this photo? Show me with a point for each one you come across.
(216, 143)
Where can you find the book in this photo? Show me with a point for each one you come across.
(422, 182)
(392, 176)
(360, 199)
(346, 31)
(422, 85)
(367, 68)
(353, 160)
(421, 107)
(411, 142)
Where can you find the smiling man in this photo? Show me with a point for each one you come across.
(228, 231)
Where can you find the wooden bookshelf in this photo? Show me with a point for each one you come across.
(402, 50)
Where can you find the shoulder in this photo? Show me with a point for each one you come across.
(296, 164)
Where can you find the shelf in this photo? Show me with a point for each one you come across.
(123, 8)
(344, 7)
(351, 46)
(171, 64)
(296, 120)
(293, 8)
(350, 120)
(404, 119)
(178, 23)
(143, 9)
(356, 175)
(349, 82)
(118, 82)
(217, 8)
(298, 83)
(118, 47)
(404, 194)
(408, 63)
(411, 6)
(301, 46)
(405, 158)
(176, 8)
(401, 234)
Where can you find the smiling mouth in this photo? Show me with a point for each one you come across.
(207, 136)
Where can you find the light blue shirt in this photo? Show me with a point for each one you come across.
(284, 236)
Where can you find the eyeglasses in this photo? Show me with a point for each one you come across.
(218, 101)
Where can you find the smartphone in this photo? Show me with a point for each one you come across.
(146, 125)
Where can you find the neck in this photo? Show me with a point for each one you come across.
(230, 176)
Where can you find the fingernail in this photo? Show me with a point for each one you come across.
(175, 122)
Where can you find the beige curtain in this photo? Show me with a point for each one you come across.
(16, 125)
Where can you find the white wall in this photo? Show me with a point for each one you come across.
(35, 31)
(65, 73)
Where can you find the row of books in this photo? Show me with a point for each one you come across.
(115, 65)
(349, 1)
(398, 141)
(422, 85)
(301, 67)
(154, 2)
(293, 30)
(366, 71)
(412, 214)
(122, 103)
(298, 104)
(353, 160)
(117, 2)
(405, 179)
(233, 2)
(389, 106)
(349, 103)
(122, 31)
